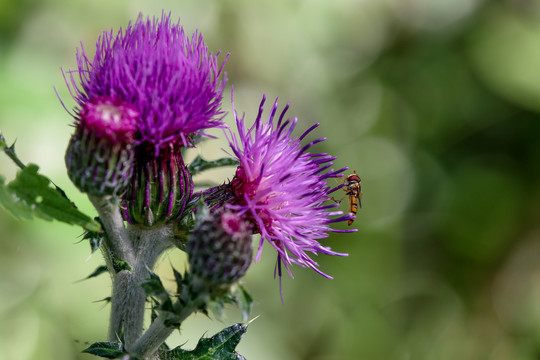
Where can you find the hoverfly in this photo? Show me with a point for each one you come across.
(354, 190)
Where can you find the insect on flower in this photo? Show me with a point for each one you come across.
(354, 190)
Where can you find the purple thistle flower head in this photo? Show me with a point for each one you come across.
(109, 119)
(220, 248)
(170, 79)
(281, 189)
(100, 154)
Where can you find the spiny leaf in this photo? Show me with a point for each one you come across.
(99, 270)
(153, 286)
(94, 238)
(109, 350)
(167, 305)
(160, 300)
(180, 281)
(173, 322)
(153, 313)
(30, 195)
(237, 295)
(216, 308)
(119, 265)
(243, 300)
(220, 346)
(199, 164)
(10, 151)
(3, 143)
(105, 300)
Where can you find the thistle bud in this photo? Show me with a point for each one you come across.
(159, 190)
(220, 249)
(99, 157)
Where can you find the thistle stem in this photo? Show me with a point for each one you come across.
(152, 339)
(117, 240)
(148, 245)
(158, 332)
(139, 248)
(127, 307)
(117, 246)
(10, 152)
(128, 298)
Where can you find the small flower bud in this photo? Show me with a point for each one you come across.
(220, 249)
(99, 157)
(159, 190)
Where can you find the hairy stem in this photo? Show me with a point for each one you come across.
(147, 346)
(127, 300)
(152, 339)
(148, 245)
(117, 247)
(117, 240)
(139, 248)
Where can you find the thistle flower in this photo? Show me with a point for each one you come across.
(159, 190)
(175, 85)
(173, 81)
(220, 249)
(281, 188)
(100, 154)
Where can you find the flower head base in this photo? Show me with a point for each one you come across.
(173, 81)
(220, 249)
(159, 189)
(100, 154)
(281, 189)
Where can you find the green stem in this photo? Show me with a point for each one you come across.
(148, 245)
(139, 248)
(117, 247)
(127, 299)
(148, 344)
(116, 238)
(10, 152)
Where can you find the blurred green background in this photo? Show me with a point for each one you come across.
(435, 103)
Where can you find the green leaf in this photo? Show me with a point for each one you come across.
(3, 143)
(237, 295)
(94, 238)
(182, 285)
(109, 350)
(199, 164)
(183, 226)
(243, 300)
(10, 151)
(119, 265)
(180, 282)
(220, 346)
(173, 322)
(216, 307)
(160, 300)
(30, 195)
(153, 286)
(105, 300)
(99, 270)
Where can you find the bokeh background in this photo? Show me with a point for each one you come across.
(435, 103)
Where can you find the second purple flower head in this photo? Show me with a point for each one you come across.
(281, 189)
